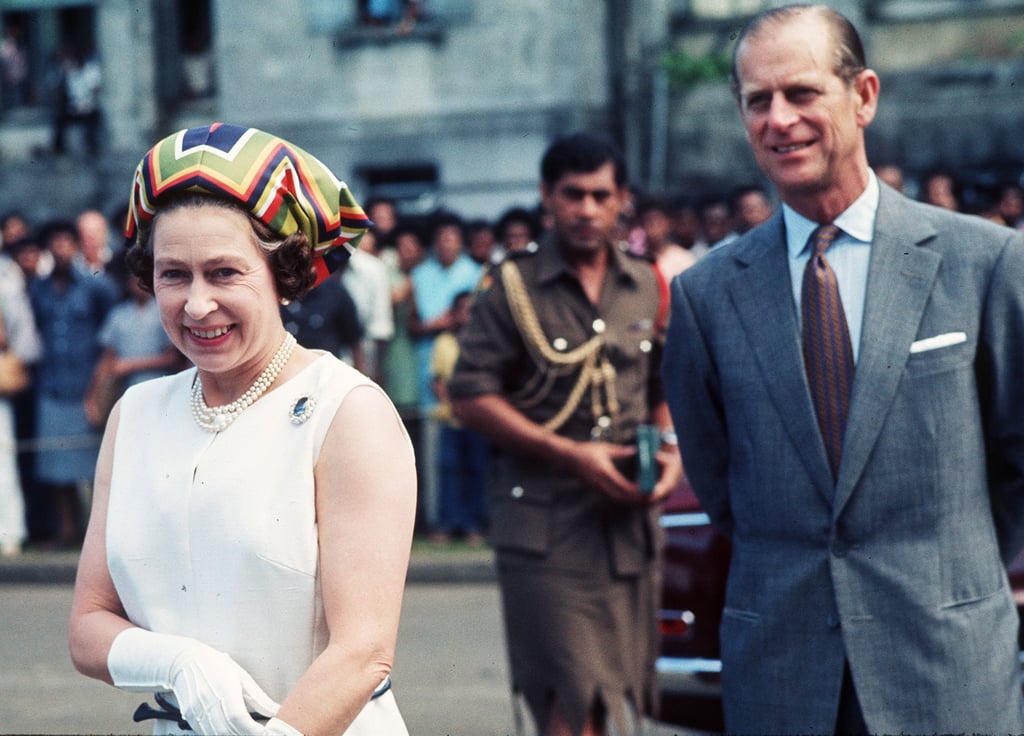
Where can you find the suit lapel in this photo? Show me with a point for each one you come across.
(900, 280)
(762, 295)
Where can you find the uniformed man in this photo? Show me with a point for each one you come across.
(559, 367)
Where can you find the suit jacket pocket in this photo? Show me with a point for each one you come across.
(977, 600)
(943, 359)
(748, 617)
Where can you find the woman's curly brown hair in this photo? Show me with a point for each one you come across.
(290, 259)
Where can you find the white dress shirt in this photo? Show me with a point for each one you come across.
(849, 255)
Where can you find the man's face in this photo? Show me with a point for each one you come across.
(585, 208)
(93, 234)
(751, 210)
(685, 225)
(716, 222)
(448, 244)
(891, 175)
(63, 248)
(656, 225)
(410, 252)
(481, 245)
(14, 229)
(517, 236)
(1011, 204)
(28, 258)
(384, 216)
(368, 242)
(940, 191)
(804, 123)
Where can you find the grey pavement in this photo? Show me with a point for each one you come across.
(455, 681)
(451, 675)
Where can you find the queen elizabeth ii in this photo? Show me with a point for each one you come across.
(252, 518)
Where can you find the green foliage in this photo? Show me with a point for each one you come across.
(687, 70)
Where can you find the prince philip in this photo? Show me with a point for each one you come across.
(847, 382)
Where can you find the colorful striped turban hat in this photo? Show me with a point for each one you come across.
(282, 186)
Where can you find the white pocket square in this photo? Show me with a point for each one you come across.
(939, 341)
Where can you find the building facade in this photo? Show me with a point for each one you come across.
(454, 109)
(450, 103)
(951, 78)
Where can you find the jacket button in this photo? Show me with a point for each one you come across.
(832, 621)
(839, 548)
(517, 492)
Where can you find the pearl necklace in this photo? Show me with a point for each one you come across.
(217, 418)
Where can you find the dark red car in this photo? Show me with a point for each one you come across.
(696, 563)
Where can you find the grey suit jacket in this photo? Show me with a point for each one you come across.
(898, 566)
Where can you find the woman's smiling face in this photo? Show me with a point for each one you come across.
(217, 296)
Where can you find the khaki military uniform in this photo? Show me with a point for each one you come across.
(578, 571)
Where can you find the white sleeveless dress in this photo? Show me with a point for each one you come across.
(214, 536)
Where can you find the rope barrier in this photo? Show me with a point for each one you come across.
(64, 442)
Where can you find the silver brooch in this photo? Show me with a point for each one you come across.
(302, 409)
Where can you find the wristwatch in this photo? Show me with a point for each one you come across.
(668, 437)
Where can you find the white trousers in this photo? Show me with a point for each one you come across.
(12, 503)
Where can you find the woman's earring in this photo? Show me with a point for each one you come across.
(285, 302)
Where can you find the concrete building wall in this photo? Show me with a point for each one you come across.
(479, 100)
(124, 34)
(481, 94)
(480, 103)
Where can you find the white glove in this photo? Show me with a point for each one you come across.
(214, 693)
(277, 727)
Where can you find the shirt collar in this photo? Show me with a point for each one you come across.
(857, 222)
(553, 264)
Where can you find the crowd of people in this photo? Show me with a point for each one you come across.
(406, 286)
(72, 315)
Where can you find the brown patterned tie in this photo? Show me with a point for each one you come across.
(828, 353)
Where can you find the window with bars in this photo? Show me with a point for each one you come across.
(328, 16)
(359, 22)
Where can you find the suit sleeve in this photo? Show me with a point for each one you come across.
(1001, 390)
(694, 399)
